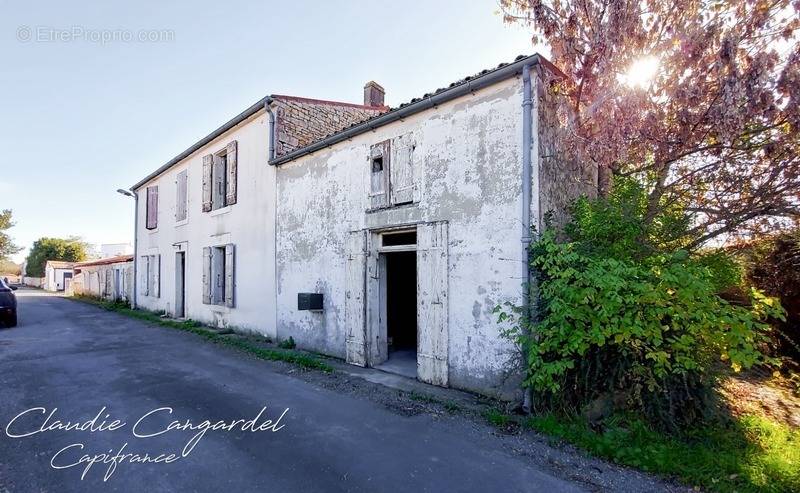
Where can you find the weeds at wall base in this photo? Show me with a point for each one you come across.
(748, 454)
(289, 356)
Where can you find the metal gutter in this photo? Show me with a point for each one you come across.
(244, 115)
(432, 101)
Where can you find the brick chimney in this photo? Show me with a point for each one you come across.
(373, 94)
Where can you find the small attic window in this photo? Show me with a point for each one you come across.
(377, 164)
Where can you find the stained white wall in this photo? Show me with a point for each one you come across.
(249, 224)
(92, 280)
(54, 278)
(468, 168)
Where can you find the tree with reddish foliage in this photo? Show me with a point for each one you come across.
(698, 99)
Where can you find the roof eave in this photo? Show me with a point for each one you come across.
(241, 117)
(432, 101)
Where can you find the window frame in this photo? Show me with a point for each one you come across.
(219, 271)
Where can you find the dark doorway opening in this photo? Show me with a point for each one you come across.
(401, 312)
(180, 284)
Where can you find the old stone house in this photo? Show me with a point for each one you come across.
(381, 236)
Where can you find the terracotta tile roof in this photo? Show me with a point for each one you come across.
(332, 103)
(451, 85)
(106, 261)
(59, 264)
(387, 116)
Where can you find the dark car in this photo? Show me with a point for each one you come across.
(8, 304)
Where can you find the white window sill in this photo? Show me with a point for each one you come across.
(182, 223)
(152, 231)
(219, 308)
(221, 210)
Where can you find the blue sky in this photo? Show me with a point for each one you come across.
(80, 118)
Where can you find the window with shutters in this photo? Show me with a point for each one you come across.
(220, 172)
(218, 275)
(151, 209)
(391, 168)
(181, 196)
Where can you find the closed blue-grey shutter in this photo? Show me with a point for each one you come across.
(144, 278)
(230, 266)
(156, 261)
(206, 275)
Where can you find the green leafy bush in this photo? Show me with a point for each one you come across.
(625, 315)
(773, 265)
(288, 343)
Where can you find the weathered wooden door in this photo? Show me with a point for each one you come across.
(432, 306)
(354, 308)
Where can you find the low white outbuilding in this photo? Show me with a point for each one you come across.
(110, 278)
(57, 275)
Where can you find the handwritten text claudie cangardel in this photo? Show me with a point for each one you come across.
(154, 423)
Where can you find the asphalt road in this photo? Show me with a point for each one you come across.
(80, 359)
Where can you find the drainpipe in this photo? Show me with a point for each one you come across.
(132, 193)
(272, 129)
(135, 244)
(273, 139)
(527, 104)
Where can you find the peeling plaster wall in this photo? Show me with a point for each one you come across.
(467, 166)
(248, 224)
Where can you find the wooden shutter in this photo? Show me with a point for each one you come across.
(230, 266)
(156, 260)
(354, 308)
(208, 161)
(402, 170)
(432, 306)
(230, 184)
(379, 174)
(207, 275)
(181, 208)
(144, 278)
(152, 207)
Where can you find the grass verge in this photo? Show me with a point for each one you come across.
(295, 357)
(748, 454)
